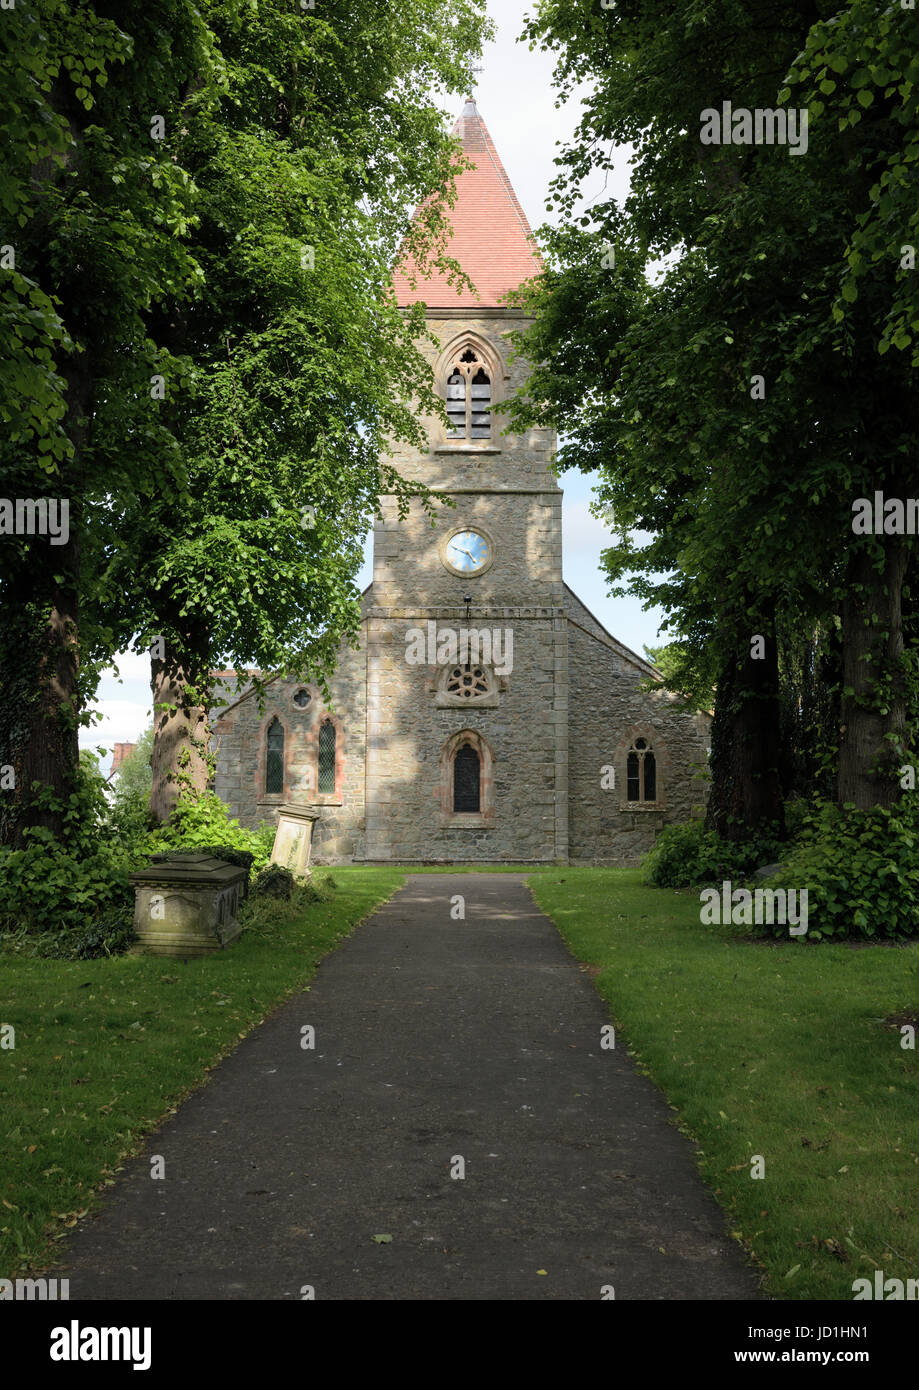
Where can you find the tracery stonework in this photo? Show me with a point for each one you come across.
(538, 730)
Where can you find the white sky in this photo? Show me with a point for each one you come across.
(516, 100)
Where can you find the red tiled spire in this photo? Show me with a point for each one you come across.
(491, 238)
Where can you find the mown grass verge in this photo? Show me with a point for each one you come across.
(778, 1049)
(105, 1048)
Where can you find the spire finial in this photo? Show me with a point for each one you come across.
(472, 71)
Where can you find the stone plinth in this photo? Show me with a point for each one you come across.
(187, 904)
(294, 838)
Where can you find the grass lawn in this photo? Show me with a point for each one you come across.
(106, 1048)
(772, 1050)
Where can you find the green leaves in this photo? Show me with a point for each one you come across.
(858, 868)
(180, 258)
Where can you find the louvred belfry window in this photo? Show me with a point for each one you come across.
(466, 780)
(468, 398)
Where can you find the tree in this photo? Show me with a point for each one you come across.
(301, 367)
(734, 406)
(859, 73)
(681, 673)
(191, 439)
(95, 213)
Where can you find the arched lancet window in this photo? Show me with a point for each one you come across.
(641, 772)
(274, 758)
(467, 784)
(467, 779)
(326, 756)
(468, 397)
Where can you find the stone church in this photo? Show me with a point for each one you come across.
(488, 716)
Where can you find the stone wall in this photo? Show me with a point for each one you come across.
(241, 730)
(608, 710)
(503, 487)
(570, 707)
(525, 734)
(523, 528)
(506, 460)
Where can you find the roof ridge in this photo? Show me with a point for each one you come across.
(505, 178)
(617, 644)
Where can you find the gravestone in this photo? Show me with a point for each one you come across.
(294, 838)
(187, 904)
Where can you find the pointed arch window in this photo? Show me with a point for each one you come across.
(469, 395)
(641, 772)
(467, 783)
(467, 780)
(274, 758)
(326, 757)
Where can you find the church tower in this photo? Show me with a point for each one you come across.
(486, 716)
(467, 740)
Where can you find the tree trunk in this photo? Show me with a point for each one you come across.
(38, 723)
(181, 732)
(810, 671)
(746, 745)
(39, 650)
(873, 733)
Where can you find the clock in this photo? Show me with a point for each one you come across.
(467, 552)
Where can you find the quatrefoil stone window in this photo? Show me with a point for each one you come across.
(467, 681)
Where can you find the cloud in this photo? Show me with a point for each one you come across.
(122, 722)
(132, 666)
(125, 701)
(517, 101)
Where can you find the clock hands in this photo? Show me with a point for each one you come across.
(476, 558)
(463, 549)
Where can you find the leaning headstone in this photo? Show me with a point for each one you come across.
(187, 904)
(294, 838)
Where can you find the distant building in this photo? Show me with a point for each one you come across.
(118, 756)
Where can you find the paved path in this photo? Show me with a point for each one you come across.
(434, 1038)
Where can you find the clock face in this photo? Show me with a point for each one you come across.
(467, 552)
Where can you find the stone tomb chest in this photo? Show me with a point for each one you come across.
(187, 904)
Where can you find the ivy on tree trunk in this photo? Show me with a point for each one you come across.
(180, 759)
(746, 792)
(874, 711)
